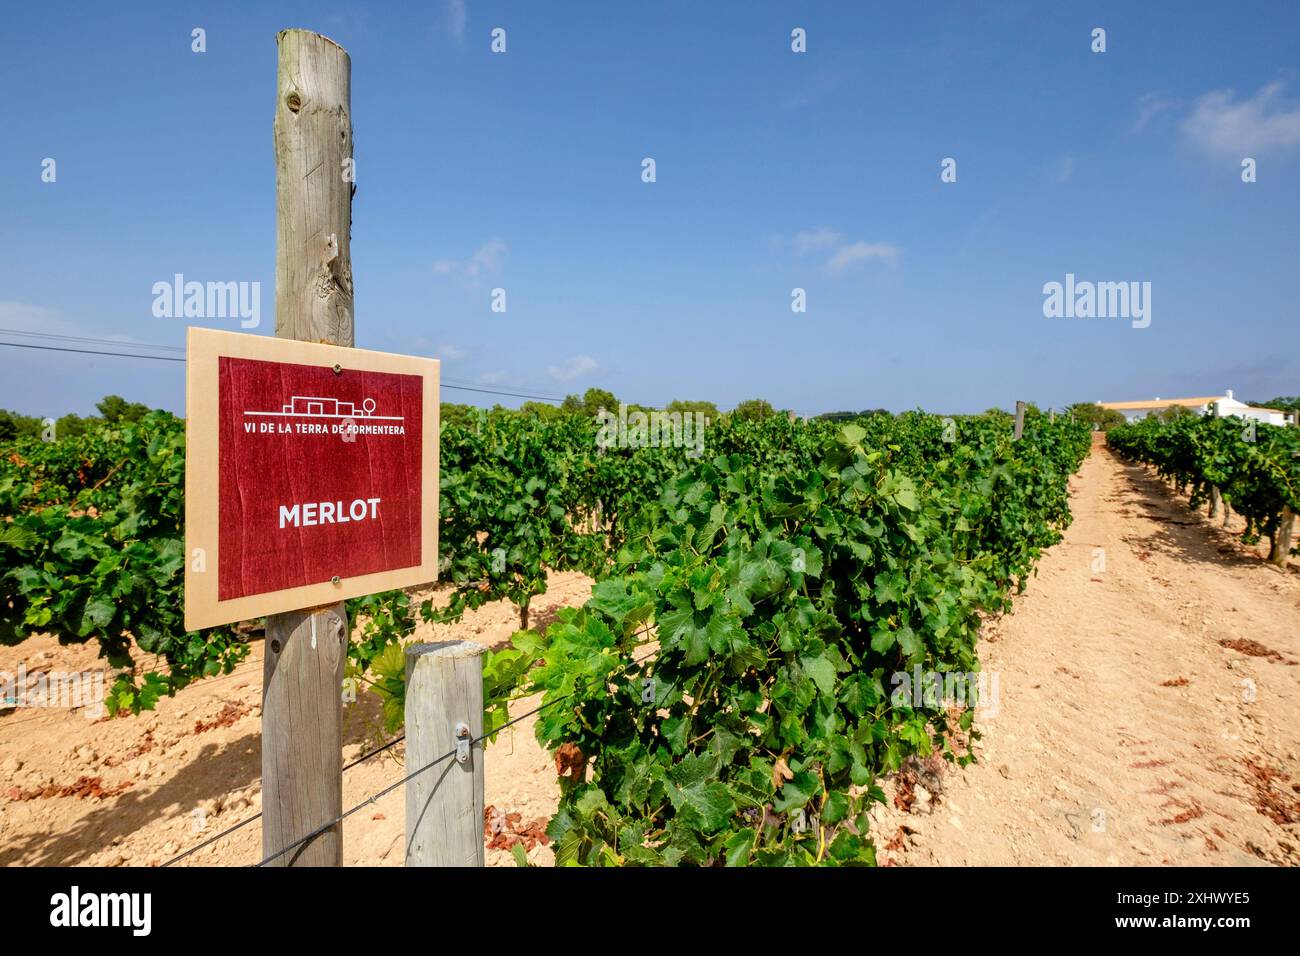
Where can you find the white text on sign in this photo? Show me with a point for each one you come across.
(328, 512)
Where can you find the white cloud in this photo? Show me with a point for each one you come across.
(1063, 169)
(487, 259)
(847, 256)
(844, 254)
(1151, 105)
(492, 378)
(1223, 125)
(454, 16)
(814, 240)
(450, 352)
(573, 367)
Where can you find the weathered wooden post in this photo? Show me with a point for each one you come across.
(1020, 421)
(302, 673)
(1282, 537)
(444, 712)
(599, 514)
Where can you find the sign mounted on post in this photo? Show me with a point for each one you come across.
(311, 475)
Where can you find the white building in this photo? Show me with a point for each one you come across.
(1222, 406)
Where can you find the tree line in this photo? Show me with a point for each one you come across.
(113, 410)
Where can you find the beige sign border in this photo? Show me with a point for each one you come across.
(203, 608)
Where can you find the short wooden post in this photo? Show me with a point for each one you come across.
(444, 804)
(1282, 538)
(1020, 420)
(302, 672)
(600, 453)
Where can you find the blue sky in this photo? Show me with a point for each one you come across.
(775, 170)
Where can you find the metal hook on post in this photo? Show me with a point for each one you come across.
(462, 742)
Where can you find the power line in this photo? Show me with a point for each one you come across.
(472, 386)
(56, 348)
(168, 358)
(493, 391)
(448, 383)
(83, 338)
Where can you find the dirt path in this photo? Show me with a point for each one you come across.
(138, 790)
(1127, 730)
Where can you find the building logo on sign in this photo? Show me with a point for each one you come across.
(307, 406)
(352, 418)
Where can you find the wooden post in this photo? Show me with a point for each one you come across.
(444, 805)
(302, 672)
(1216, 501)
(1282, 538)
(600, 508)
(1020, 420)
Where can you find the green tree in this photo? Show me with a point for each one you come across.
(117, 410)
(710, 410)
(13, 425)
(70, 426)
(452, 413)
(1095, 415)
(541, 410)
(850, 416)
(1282, 403)
(592, 401)
(1174, 412)
(753, 410)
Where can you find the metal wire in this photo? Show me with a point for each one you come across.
(243, 823)
(170, 358)
(433, 763)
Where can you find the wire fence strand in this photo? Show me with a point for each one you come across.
(433, 763)
(257, 816)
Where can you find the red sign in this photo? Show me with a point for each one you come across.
(320, 474)
(311, 475)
